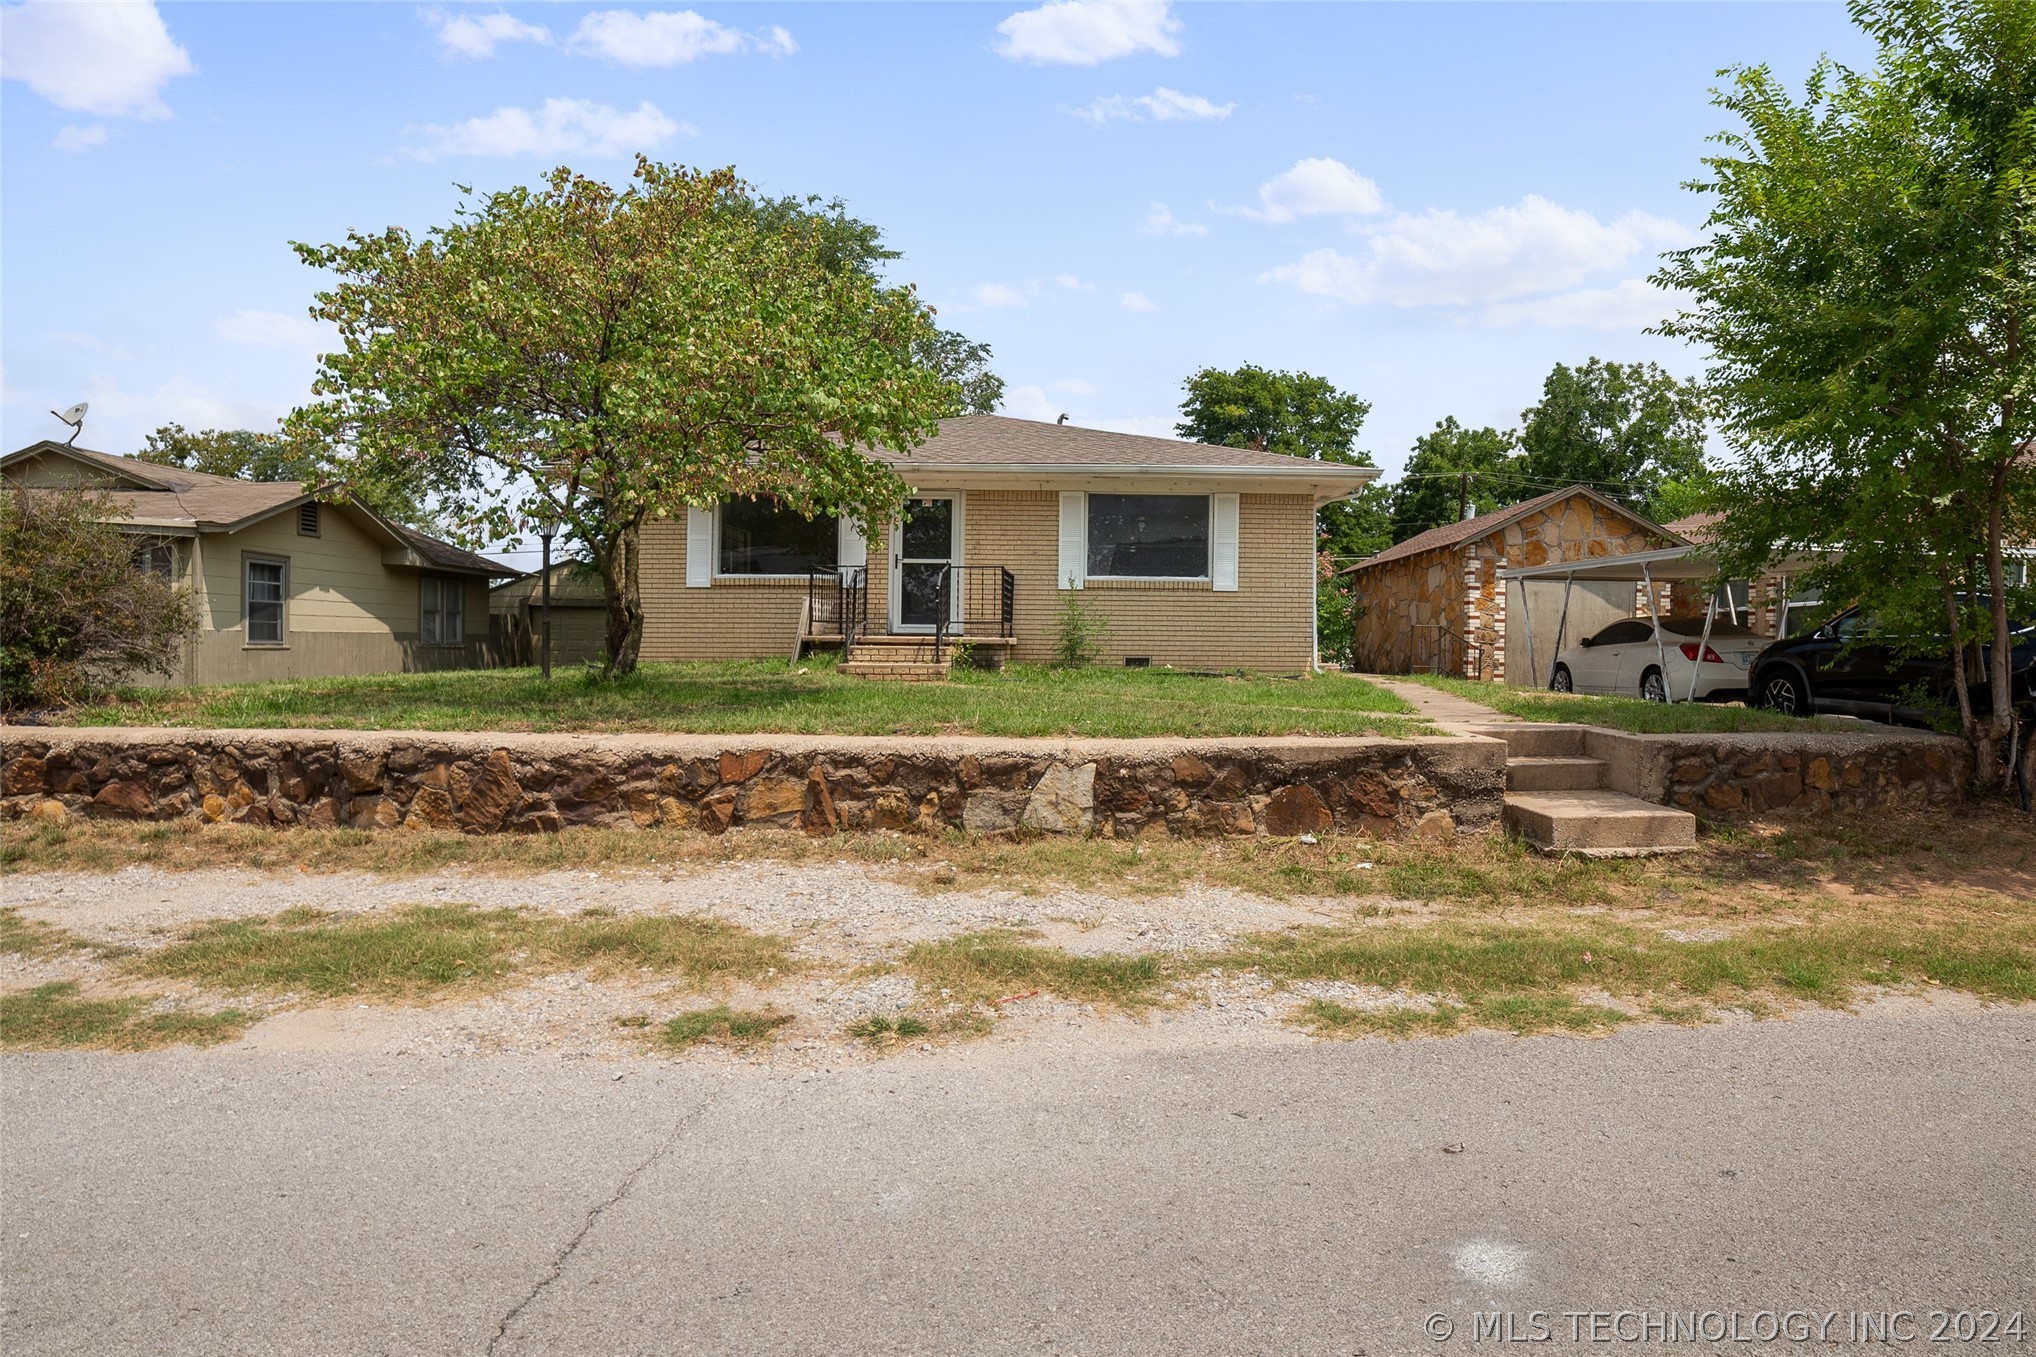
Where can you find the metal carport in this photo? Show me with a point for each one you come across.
(1645, 568)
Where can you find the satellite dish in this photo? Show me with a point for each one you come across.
(75, 417)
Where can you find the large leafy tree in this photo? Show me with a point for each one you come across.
(851, 244)
(1865, 295)
(1625, 429)
(1300, 415)
(604, 356)
(250, 455)
(1453, 469)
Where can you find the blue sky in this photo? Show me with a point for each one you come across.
(1429, 204)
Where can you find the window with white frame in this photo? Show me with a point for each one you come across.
(762, 537)
(267, 586)
(1149, 536)
(442, 615)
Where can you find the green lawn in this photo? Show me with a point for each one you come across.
(1622, 713)
(758, 696)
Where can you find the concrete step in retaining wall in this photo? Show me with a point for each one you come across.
(1554, 775)
(1599, 823)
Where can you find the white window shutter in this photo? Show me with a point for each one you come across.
(699, 548)
(1223, 543)
(852, 549)
(1074, 540)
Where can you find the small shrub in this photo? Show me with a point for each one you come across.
(1078, 636)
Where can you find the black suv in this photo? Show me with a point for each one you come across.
(1840, 668)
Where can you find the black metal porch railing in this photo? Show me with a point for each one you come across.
(838, 604)
(988, 596)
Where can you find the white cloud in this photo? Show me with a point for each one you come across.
(1442, 259)
(1316, 187)
(1073, 386)
(1084, 32)
(1072, 283)
(274, 330)
(1160, 221)
(1137, 301)
(109, 59)
(1161, 106)
(560, 127)
(624, 37)
(79, 138)
(475, 37)
(1630, 304)
(996, 294)
(1028, 402)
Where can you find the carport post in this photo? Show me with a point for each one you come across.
(1561, 624)
(1526, 619)
(1660, 651)
(1710, 611)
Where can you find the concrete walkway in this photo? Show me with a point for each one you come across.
(1454, 714)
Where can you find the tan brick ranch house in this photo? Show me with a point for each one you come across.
(1190, 554)
(284, 586)
(1435, 603)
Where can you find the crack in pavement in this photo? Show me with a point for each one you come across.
(558, 1263)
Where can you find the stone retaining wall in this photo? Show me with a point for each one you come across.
(485, 784)
(1730, 775)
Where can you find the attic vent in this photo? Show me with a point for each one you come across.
(307, 520)
(1138, 661)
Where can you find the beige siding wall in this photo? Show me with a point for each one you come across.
(1267, 624)
(345, 612)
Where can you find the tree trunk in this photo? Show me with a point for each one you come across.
(625, 602)
(1968, 723)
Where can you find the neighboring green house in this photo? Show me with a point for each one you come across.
(284, 585)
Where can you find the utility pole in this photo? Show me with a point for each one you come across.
(546, 530)
(1463, 498)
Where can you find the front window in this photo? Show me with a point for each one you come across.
(156, 556)
(1149, 536)
(265, 591)
(442, 620)
(761, 537)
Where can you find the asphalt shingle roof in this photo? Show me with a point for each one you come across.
(1469, 529)
(998, 440)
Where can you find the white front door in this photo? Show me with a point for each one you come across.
(923, 545)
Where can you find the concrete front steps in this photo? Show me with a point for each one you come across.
(900, 659)
(1556, 799)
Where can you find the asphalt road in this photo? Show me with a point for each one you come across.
(1111, 1196)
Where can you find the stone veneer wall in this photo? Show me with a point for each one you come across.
(1733, 775)
(1459, 586)
(492, 783)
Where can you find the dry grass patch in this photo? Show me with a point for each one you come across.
(54, 1016)
(428, 950)
(25, 937)
(721, 1026)
(1000, 965)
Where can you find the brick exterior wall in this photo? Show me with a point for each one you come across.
(1267, 624)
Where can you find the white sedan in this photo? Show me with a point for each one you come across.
(1626, 659)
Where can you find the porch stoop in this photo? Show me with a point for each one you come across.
(1556, 799)
(900, 659)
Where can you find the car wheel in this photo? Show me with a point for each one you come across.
(1653, 687)
(1561, 681)
(1783, 690)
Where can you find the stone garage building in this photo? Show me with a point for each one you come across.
(1435, 604)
